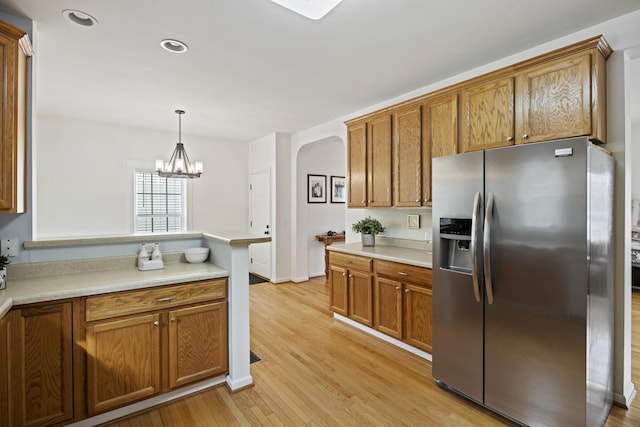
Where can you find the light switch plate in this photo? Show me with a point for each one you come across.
(9, 247)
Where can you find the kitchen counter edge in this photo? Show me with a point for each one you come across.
(417, 257)
(65, 286)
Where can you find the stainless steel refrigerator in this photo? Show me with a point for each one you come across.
(523, 280)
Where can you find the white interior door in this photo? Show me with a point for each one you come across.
(260, 223)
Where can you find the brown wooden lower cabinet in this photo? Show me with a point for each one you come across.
(393, 298)
(123, 361)
(40, 365)
(63, 361)
(197, 343)
(133, 357)
(351, 286)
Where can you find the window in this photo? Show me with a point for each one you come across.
(159, 204)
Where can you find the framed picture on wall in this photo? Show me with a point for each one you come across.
(316, 188)
(338, 189)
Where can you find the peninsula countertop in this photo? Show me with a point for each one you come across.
(417, 257)
(72, 285)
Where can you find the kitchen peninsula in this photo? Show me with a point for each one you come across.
(195, 318)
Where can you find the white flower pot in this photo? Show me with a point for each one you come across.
(368, 239)
(3, 278)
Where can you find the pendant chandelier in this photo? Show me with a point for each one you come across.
(179, 165)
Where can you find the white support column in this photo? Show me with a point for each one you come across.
(231, 251)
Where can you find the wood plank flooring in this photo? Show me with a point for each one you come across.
(316, 371)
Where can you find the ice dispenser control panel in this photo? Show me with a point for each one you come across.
(455, 241)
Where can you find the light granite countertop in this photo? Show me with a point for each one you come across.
(417, 257)
(71, 285)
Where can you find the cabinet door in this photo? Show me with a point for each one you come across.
(5, 349)
(197, 343)
(379, 162)
(407, 156)
(439, 135)
(123, 361)
(13, 89)
(41, 364)
(339, 290)
(418, 304)
(489, 116)
(388, 307)
(361, 297)
(557, 100)
(357, 164)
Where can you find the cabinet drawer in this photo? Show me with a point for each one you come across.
(350, 261)
(142, 300)
(404, 272)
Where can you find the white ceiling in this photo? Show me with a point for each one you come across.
(254, 67)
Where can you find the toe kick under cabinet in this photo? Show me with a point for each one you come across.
(144, 342)
(393, 298)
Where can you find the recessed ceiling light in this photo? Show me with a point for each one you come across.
(312, 9)
(174, 46)
(79, 17)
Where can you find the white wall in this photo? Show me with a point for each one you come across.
(273, 153)
(84, 172)
(320, 158)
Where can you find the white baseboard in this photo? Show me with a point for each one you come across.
(300, 279)
(387, 338)
(626, 398)
(148, 403)
(239, 383)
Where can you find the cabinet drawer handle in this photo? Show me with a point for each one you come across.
(167, 299)
(156, 323)
(344, 274)
(397, 288)
(417, 200)
(509, 138)
(406, 291)
(173, 320)
(525, 136)
(402, 273)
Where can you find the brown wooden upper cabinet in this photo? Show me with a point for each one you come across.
(439, 135)
(14, 50)
(369, 162)
(557, 100)
(407, 156)
(357, 164)
(488, 116)
(560, 94)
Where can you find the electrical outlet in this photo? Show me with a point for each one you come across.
(9, 247)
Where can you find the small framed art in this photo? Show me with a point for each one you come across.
(337, 189)
(413, 222)
(316, 188)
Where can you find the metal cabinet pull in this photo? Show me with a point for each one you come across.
(402, 273)
(474, 246)
(173, 320)
(406, 291)
(509, 138)
(156, 323)
(397, 288)
(167, 299)
(488, 220)
(525, 136)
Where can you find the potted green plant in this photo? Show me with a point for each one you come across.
(3, 271)
(368, 227)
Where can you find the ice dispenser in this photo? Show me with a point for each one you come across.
(455, 244)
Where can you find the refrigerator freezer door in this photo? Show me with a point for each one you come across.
(457, 315)
(535, 330)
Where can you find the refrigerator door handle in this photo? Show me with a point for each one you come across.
(488, 220)
(474, 246)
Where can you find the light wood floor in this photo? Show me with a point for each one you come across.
(316, 371)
